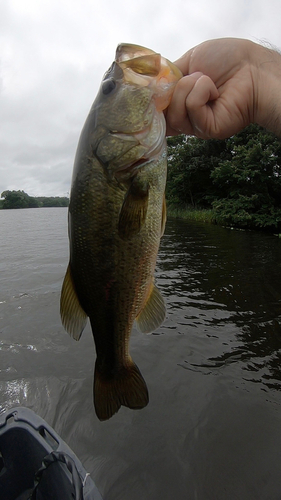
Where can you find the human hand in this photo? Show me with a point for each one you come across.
(227, 84)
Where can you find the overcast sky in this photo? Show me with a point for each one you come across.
(53, 55)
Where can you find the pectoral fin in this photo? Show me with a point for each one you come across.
(134, 209)
(73, 317)
(153, 313)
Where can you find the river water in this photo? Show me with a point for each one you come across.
(212, 429)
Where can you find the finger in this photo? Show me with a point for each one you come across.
(203, 91)
(184, 61)
(176, 114)
(200, 113)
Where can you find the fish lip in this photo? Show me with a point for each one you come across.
(128, 51)
(176, 71)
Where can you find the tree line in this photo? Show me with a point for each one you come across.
(20, 199)
(238, 178)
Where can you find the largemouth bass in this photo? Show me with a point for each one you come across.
(116, 218)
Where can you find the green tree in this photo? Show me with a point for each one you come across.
(239, 177)
(249, 184)
(53, 201)
(190, 162)
(18, 199)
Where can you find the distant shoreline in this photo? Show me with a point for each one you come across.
(25, 208)
(20, 199)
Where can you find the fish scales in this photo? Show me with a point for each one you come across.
(129, 263)
(116, 219)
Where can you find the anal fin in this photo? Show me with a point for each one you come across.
(154, 312)
(73, 317)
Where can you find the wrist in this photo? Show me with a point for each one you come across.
(267, 89)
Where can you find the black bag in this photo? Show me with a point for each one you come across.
(51, 480)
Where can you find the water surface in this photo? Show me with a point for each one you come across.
(212, 429)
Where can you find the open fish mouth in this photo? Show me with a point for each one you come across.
(144, 67)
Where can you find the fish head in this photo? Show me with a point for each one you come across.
(130, 127)
(146, 68)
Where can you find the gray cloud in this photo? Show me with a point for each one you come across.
(53, 56)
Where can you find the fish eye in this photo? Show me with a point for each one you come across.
(108, 85)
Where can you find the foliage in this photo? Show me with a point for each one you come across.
(190, 162)
(239, 178)
(20, 199)
(53, 201)
(201, 215)
(249, 186)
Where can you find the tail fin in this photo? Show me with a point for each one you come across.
(126, 388)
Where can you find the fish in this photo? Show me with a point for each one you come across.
(116, 217)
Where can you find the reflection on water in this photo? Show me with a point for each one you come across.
(227, 281)
(212, 427)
